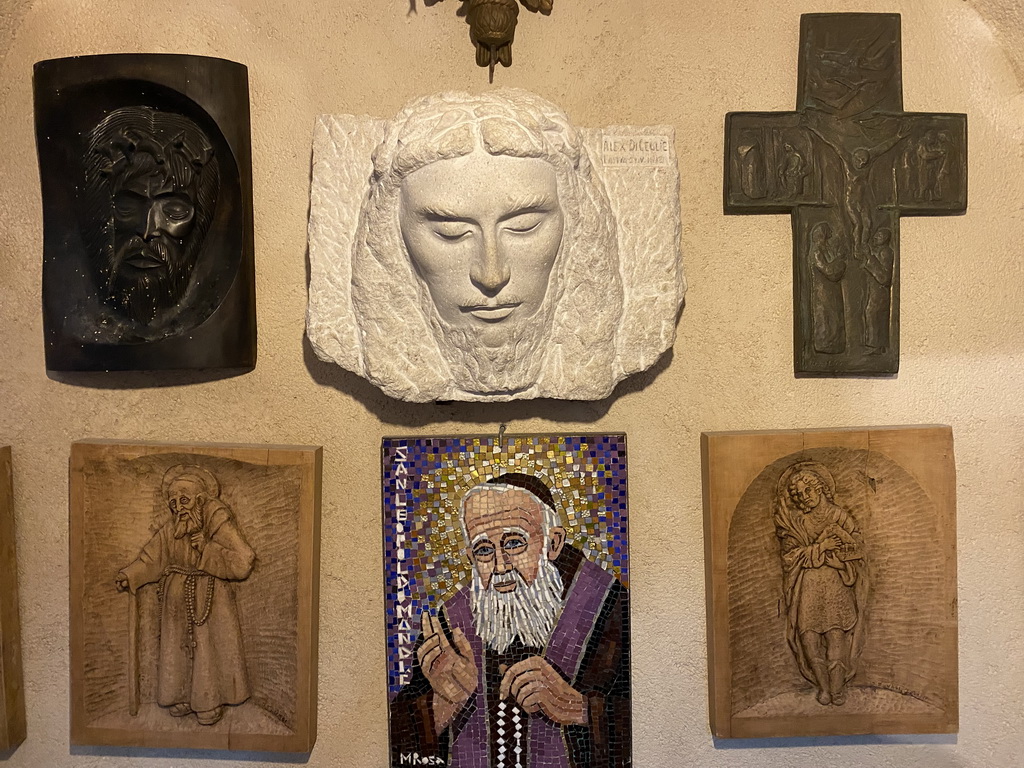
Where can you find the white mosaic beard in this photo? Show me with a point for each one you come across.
(529, 612)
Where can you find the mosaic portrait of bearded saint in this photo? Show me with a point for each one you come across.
(486, 262)
(151, 188)
(528, 664)
(193, 558)
(822, 560)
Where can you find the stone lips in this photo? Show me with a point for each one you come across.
(644, 202)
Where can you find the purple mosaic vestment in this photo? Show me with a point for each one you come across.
(470, 747)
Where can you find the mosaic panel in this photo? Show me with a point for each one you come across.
(507, 600)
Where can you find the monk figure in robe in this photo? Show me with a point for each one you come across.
(193, 558)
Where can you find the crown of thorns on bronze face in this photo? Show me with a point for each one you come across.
(135, 142)
(181, 160)
(156, 140)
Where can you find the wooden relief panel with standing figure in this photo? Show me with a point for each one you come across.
(831, 579)
(847, 164)
(12, 690)
(194, 594)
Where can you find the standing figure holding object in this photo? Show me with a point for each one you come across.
(821, 549)
(828, 307)
(879, 265)
(192, 558)
(793, 172)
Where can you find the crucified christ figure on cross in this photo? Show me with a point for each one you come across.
(860, 200)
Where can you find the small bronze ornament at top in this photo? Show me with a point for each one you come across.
(492, 28)
(847, 164)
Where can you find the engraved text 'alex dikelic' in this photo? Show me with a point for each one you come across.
(634, 150)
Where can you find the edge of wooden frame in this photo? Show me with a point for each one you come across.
(13, 728)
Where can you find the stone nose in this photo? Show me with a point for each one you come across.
(491, 270)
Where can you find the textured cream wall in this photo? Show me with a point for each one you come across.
(605, 61)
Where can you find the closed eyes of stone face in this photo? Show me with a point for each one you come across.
(455, 230)
(521, 216)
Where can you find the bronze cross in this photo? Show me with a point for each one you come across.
(847, 164)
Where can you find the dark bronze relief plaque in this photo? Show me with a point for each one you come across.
(847, 164)
(145, 164)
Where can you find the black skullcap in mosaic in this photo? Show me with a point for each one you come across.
(530, 483)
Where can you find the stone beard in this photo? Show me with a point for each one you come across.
(511, 364)
(529, 612)
(151, 189)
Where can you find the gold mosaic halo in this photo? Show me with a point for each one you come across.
(574, 477)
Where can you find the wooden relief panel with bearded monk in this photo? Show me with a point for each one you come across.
(147, 206)
(831, 581)
(194, 593)
(507, 601)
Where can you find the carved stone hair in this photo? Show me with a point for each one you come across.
(387, 293)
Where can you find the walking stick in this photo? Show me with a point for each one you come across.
(133, 653)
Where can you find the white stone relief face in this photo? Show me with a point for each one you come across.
(483, 232)
(468, 249)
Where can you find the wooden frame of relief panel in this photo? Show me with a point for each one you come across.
(12, 691)
(167, 628)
